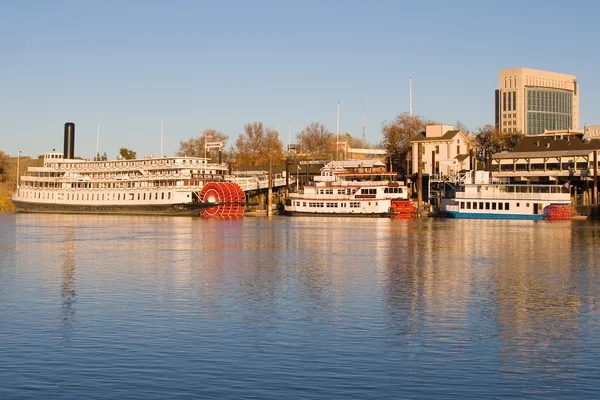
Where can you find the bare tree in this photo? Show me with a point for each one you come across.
(317, 141)
(397, 135)
(258, 145)
(463, 128)
(488, 140)
(194, 147)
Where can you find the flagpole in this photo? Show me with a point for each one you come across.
(337, 134)
(97, 155)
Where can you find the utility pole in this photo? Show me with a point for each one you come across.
(270, 192)
(595, 192)
(419, 178)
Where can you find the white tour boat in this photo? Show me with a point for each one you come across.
(158, 186)
(483, 198)
(352, 188)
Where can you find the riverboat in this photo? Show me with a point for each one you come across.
(156, 186)
(480, 197)
(352, 188)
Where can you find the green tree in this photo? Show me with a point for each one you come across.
(258, 145)
(397, 135)
(99, 157)
(127, 154)
(194, 147)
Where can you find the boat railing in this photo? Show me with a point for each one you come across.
(511, 196)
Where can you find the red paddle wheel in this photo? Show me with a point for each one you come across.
(228, 196)
(555, 212)
(403, 208)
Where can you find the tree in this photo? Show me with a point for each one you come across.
(194, 147)
(510, 140)
(397, 135)
(99, 157)
(459, 126)
(258, 145)
(127, 154)
(317, 141)
(488, 140)
(3, 160)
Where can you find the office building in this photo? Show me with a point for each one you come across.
(533, 101)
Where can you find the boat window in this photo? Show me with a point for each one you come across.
(487, 205)
(507, 206)
(462, 204)
(500, 206)
(468, 205)
(526, 204)
(493, 206)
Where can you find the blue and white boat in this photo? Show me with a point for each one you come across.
(482, 198)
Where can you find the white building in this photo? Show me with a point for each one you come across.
(445, 150)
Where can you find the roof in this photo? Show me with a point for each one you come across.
(537, 154)
(355, 164)
(449, 135)
(546, 145)
(462, 157)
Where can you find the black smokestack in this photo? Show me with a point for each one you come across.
(69, 152)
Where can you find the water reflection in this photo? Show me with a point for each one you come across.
(378, 303)
(68, 287)
(470, 280)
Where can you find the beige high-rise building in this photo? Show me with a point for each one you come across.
(532, 101)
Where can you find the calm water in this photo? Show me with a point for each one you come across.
(288, 308)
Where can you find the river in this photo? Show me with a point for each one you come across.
(285, 308)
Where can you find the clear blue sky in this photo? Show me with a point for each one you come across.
(221, 64)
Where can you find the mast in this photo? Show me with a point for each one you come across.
(289, 134)
(161, 137)
(337, 134)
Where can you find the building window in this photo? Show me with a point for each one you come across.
(437, 149)
(510, 102)
(504, 101)
(514, 101)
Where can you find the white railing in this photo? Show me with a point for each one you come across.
(261, 182)
(512, 196)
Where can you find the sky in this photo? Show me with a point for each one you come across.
(221, 64)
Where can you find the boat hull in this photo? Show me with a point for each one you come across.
(183, 209)
(337, 214)
(454, 214)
